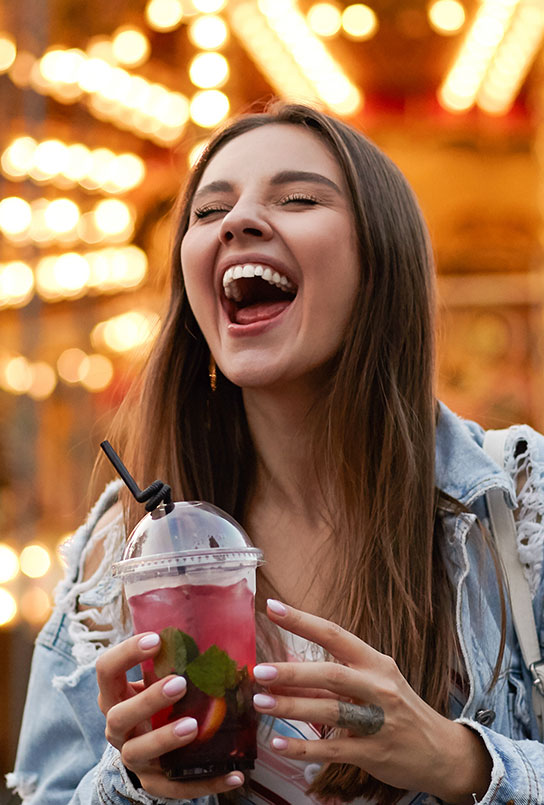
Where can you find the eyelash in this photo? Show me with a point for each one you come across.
(301, 197)
(202, 212)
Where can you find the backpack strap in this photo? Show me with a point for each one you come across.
(503, 528)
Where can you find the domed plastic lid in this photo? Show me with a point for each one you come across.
(187, 534)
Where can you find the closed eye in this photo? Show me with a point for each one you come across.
(209, 209)
(300, 198)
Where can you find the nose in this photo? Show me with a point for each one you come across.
(244, 222)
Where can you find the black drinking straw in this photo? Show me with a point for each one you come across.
(156, 493)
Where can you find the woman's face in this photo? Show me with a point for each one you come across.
(270, 260)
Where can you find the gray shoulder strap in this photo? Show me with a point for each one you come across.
(503, 528)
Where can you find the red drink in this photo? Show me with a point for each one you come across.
(207, 635)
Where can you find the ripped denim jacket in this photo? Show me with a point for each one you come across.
(64, 759)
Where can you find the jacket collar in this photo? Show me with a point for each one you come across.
(462, 469)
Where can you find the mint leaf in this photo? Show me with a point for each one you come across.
(177, 650)
(213, 672)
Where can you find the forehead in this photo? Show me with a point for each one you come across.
(265, 151)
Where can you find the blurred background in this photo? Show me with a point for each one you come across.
(104, 106)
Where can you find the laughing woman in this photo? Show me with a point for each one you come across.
(292, 385)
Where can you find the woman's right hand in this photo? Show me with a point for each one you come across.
(128, 707)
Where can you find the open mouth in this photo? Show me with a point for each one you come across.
(256, 292)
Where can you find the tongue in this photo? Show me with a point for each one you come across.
(260, 312)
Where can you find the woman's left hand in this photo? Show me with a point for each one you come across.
(392, 733)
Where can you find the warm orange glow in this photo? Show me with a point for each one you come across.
(8, 607)
(35, 561)
(9, 563)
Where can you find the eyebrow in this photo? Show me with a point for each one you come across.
(283, 177)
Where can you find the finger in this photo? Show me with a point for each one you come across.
(327, 676)
(343, 645)
(307, 693)
(139, 751)
(125, 716)
(360, 719)
(332, 750)
(112, 665)
(160, 786)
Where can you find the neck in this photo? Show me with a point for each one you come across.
(281, 429)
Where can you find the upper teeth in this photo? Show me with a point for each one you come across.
(253, 270)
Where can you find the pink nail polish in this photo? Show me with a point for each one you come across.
(234, 780)
(149, 641)
(174, 686)
(276, 607)
(279, 743)
(185, 727)
(262, 700)
(265, 673)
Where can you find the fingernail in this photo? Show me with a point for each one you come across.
(234, 779)
(149, 641)
(276, 607)
(279, 743)
(175, 686)
(262, 700)
(264, 673)
(186, 726)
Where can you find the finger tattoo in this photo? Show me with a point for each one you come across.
(364, 719)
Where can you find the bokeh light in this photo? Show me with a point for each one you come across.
(208, 32)
(164, 15)
(95, 372)
(325, 19)
(44, 380)
(209, 6)
(35, 561)
(8, 607)
(446, 16)
(68, 364)
(209, 107)
(35, 605)
(113, 217)
(124, 332)
(359, 22)
(8, 52)
(9, 563)
(17, 375)
(209, 70)
(61, 215)
(130, 46)
(15, 215)
(16, 283)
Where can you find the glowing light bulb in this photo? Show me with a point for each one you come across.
(324, 19)
(209, 107)
(209, 70)
(130, 46)
(164, 15)
(15, 215)
(446, 16)
(8, 607)
(71, 272)
(35, 561)
(8, 52)
(9, 563)
(208, 32)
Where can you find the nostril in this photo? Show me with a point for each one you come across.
(249, 230)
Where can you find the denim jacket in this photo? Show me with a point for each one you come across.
(63, 757)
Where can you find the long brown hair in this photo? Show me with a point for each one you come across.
(374, 427)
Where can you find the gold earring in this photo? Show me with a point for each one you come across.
(212, 372)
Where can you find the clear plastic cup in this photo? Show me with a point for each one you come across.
(189, 574)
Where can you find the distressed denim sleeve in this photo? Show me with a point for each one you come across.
(517, 777)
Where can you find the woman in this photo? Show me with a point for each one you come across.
(292, 385)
